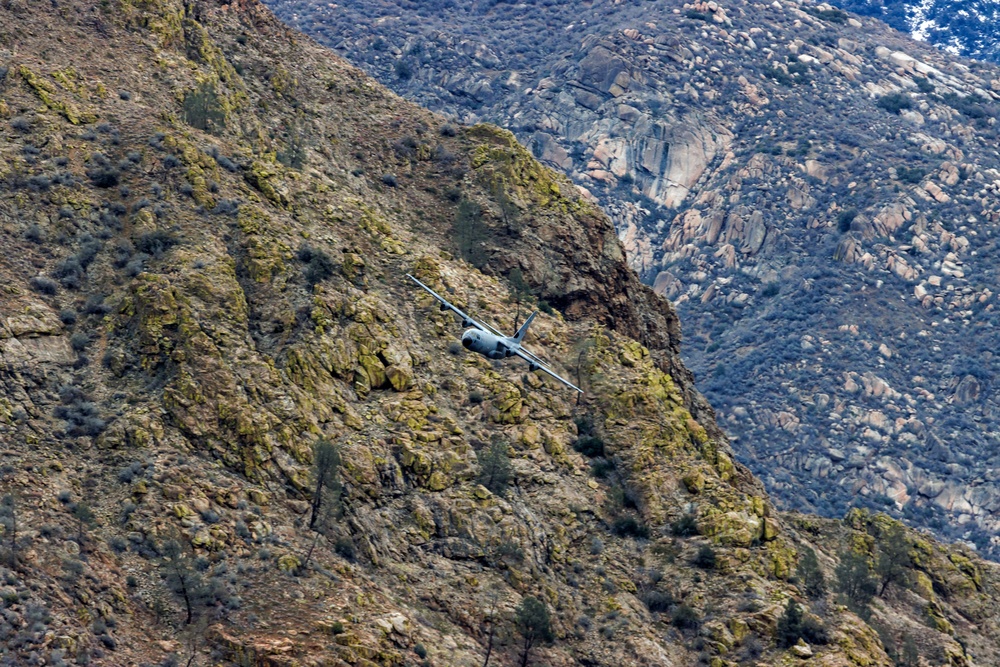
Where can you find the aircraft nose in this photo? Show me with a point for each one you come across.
(466, 341)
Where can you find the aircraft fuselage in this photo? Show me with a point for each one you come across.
(486, 344)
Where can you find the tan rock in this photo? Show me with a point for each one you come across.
(815, 169)
(801, 650)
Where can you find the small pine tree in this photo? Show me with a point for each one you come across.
(294, 154)
(182, 577)
(491, 622)
(8, 519)
(202, 109)
(855, 582)
(534, 625)
(910, 656)
(495, 469)
(518, 291)
(705, 558)
(327, 487)
(84, 518)
(509, 212)
(809, 572)
(326, 501)
(893, 559)
(790, 625)
(469, 232)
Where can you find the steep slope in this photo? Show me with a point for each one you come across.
(815, 192)
(206, 220)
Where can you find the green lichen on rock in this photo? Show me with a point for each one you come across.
(731, 527)
(967, 568)
(154, 302)
(48, 94)
(206, 397)
(265, 255)
(137, 429)
(507, 404)
(860, 645)
(500, 156)
(289, 563)
(263, 176)
(379, 228)
(201, 169)
(162, 19)
(436, 464)
(694, 482)
(201, 49)
(282, 82)
(935, 616)
(68, 79)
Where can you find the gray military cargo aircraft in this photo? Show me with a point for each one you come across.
(490, 343)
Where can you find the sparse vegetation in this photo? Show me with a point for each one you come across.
(629, 526)
(203, 109)
(685, 526)
(894, 102)
(183, 578)
(845, 218)
(44, 285)
(910, 175)
(810, 574)
(156, 243)
(220, 367)
(326, 486)
(705, 558)
(685, 617)
(470, 233)
(9, 513)
(832, 14)
(790, 625)
(319, 265)
(534, 625)
(80, 415)
(855, 582)
(495, 469)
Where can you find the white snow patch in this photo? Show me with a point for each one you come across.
(920, 27)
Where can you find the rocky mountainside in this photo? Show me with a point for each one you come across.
(968, 29)
(206, 221)
(815, 192)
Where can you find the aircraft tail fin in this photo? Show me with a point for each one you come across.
(519, 336)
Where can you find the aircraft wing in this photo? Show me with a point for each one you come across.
(446, 305)
(537, 363)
